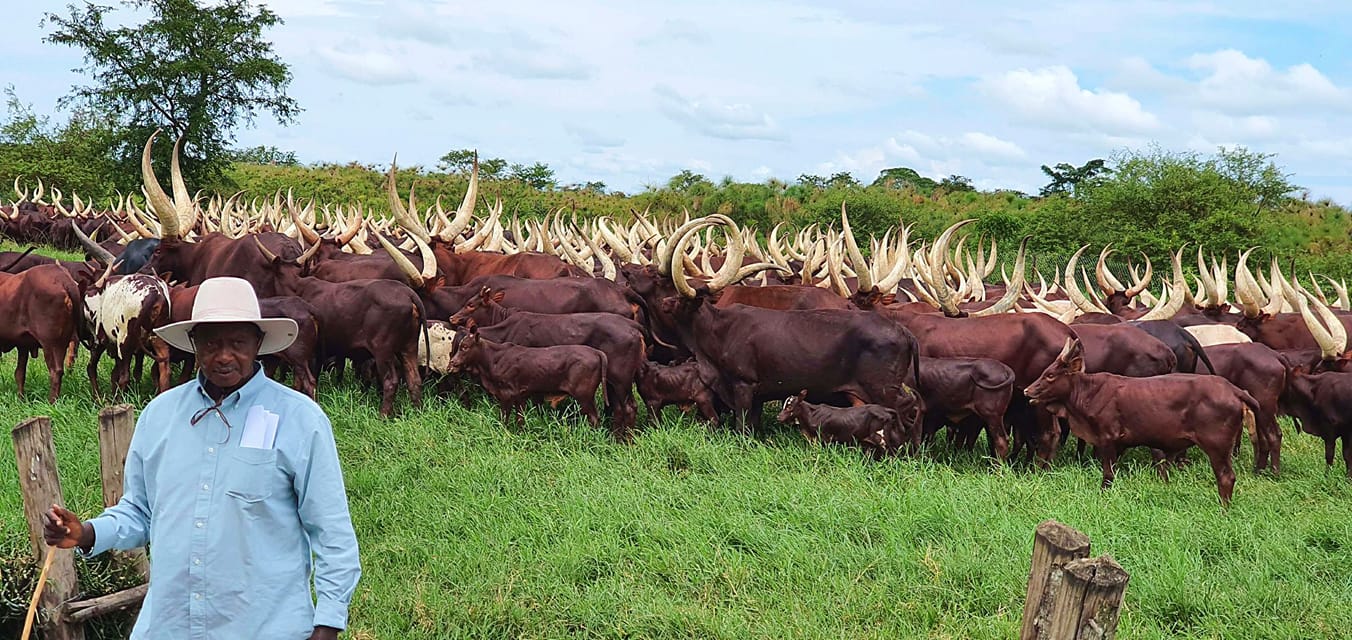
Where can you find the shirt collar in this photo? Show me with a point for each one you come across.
(241, 395)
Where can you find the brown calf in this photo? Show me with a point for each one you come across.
(956, 390)
(875, 428)
(513, 374)
(1166, 413)
(680, 384)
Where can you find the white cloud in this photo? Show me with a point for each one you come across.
(592, 139)
(1238, 84)
(730, 121)
(990, 146)
(1052, 97)
(366, 67)
(531, 65)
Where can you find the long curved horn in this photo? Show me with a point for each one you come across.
(157, 200)
(397, 209)
(1246, 289)
(732, 258)
(1208, 281)
(1072, 287)
(1013, 289)
(861, 267)
(1106, 282)
(678, 241)
(1330, 334)
(938, 259)
(666, 251)
(465, 213)
(1144, 282)
(270, 256)
(184, 203)
(100, 254)
(481, 235)
(1171, 300)
(607, 265)
(413, 274)
(1341, 290)
(304, 230)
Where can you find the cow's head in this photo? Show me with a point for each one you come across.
(464, 352)
(480, 309)
(1054, 383)
(786, 415)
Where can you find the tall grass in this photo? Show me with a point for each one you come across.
(469, 529)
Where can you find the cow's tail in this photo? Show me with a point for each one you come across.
(1200, 352)
(1251, 409)
(422, 327)
(605, 364)
(15, 261)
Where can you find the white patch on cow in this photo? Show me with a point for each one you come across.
(882, 440)
(442, 339)
(121, 302)
(1213, 334)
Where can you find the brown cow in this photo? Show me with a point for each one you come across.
(1166, 413)
(956, 389)
(680, 384)
(1321, 403)
(874, 427)
(513, 374)
(1260, 371)
(41, 311)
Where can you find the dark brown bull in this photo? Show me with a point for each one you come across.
(1166, 413)
(1260, 371)
(1321, 404)
(621, 339)
(875, 428)
(662, 385)
(42, 307)
(513, 374)
(957, 390)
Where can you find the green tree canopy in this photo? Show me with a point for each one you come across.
(197, 70)
(1068, 178)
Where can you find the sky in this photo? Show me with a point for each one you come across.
(630, 93)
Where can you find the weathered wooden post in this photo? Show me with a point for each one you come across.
(116, 425)
(1070, 597)
(41, 487)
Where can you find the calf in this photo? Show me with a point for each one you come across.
(1167, 413)
(513, 374)
(875, 428)
(956, 389)
(679, 384)
(1321, 404)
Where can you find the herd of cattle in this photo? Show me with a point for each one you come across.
(881, 352)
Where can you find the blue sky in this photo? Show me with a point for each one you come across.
(630, 93)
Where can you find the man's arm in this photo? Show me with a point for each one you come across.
(125, 525)
(322, 502)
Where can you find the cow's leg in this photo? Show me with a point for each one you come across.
(21, 374)
(1347, 453)
(996, 435)
(55, 370)
(159, 350)
(742, 396)
(1107, 454)
(1274, 442)
(1225, 474)
(588, 405)
(414, 378)
(95, 353)
(121, 378)
(706, 409)
(139, 371)
(1161, 460)
(1330, 444)
(1048, 437)
(389, 385)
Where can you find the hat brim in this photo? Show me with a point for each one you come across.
(278, 333)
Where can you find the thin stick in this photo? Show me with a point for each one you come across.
(37, 593)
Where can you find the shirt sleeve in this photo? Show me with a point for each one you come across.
(324, 513)
(125, 525)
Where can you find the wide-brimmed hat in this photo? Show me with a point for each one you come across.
(222, 300)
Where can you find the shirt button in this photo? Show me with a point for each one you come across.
(206, 487)
(201, 524)
(196, 596)
(197, 561)
(211, 449)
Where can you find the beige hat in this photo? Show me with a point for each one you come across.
(222, 300)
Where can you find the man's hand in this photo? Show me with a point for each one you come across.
(63, 529)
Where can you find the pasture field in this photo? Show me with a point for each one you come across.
(472, 530)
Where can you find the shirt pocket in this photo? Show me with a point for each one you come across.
(251, 476)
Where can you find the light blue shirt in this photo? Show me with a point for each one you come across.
(233, 530)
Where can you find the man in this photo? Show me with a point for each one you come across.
(233, 480)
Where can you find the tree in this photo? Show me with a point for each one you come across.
(538, 176)
(457, 161)
(265, 155)
(196, 71)
(689, 182)
(492, 168)
(955, 183)
(1069, 179)
(842, 179)
(812, 181)
(72, 157)
(904, 177)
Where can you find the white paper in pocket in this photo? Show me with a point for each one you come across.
(260, 429)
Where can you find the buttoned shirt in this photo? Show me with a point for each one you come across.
(235, 532)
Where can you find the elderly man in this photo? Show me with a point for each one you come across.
(234, 481)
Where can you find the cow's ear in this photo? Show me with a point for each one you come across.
(484, 291)
(1075, 364)
(499, 295)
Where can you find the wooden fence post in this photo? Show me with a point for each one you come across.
(41, 487)
(1089, 600)
(116, 425)
(1054, 545)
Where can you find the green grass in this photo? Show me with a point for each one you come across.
(472, 530)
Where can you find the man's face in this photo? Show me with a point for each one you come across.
(226, 352)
